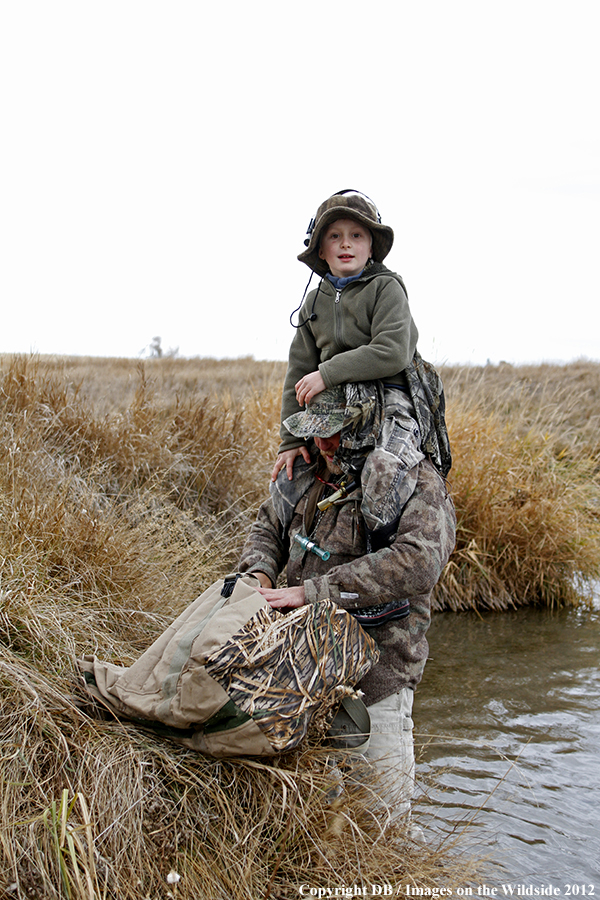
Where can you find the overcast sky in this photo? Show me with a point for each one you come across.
(160, 161)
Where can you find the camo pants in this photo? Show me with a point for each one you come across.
(389, 475)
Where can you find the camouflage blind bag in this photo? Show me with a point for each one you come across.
(233, 677)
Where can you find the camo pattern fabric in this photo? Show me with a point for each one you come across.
(285, 494)
(355, 410)
(365, 413)
(390, 472)
(407, 565)
(427, 393)
(283, 669)
(381, 443)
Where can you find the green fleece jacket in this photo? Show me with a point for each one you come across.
(361, 333)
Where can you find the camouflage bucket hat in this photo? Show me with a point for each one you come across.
(322, 417)
(347, 204)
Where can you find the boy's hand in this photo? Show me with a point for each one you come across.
(308, 387)
(287, 459)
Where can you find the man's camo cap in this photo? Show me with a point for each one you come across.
(324, 416)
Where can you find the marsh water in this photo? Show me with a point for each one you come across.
(509, 713)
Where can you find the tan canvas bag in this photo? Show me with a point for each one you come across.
(230, 676)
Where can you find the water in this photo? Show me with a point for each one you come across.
(509, 710)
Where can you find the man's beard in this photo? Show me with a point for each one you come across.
(332, 468)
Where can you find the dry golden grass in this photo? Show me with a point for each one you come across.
(525, 483)
(563, 399)
(114, 516)
(110, 384)
(126, 489)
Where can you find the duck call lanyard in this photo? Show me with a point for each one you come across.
(315, 507)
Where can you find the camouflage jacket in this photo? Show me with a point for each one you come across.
(407, 564)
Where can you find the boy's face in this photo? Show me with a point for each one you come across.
(345, 247)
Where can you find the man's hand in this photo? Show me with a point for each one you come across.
(287, 459)
(308, 387)
(280, 598)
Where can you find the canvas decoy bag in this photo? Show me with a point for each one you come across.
(233, 677)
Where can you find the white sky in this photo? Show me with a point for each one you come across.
(160, 161)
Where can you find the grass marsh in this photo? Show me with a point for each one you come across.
(126, 488)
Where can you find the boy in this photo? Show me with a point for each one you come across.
(355, 327)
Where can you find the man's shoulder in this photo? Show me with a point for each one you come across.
(285, 495)
(431, 492)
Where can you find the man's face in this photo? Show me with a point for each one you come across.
(346, 247)
(327, 448)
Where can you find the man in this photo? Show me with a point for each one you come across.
(358, 569)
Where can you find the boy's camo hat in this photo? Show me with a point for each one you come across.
(324, 415)
(346, 204)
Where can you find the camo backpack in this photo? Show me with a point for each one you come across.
(427, 393)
